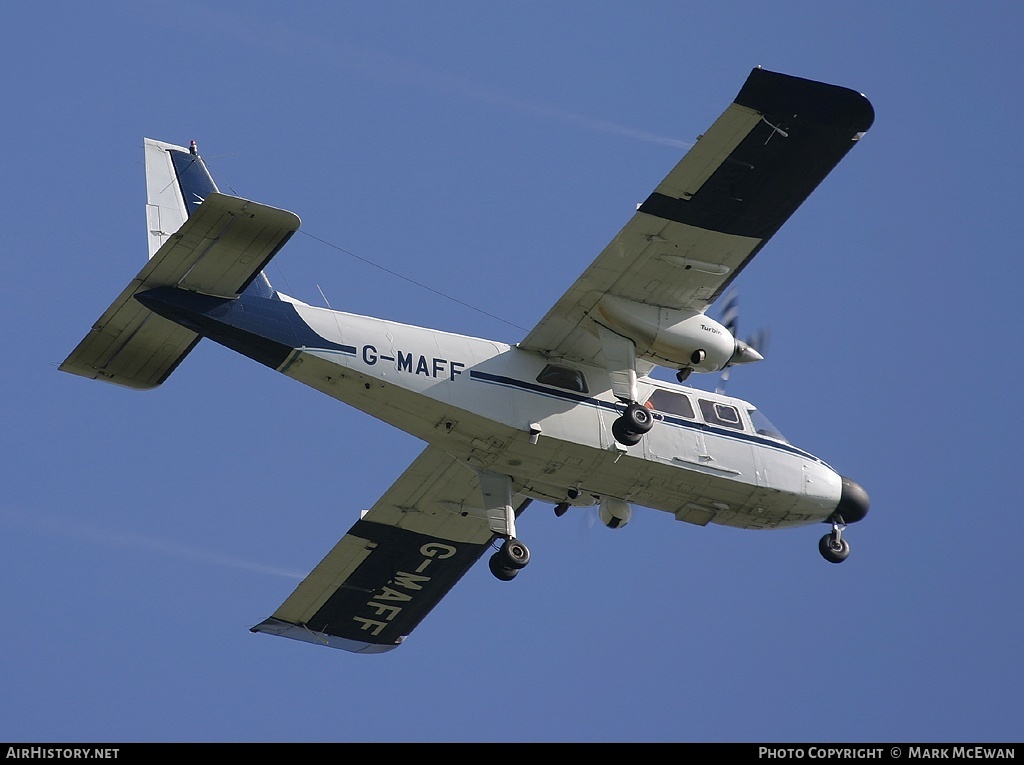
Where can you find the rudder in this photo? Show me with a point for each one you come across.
(177, 182)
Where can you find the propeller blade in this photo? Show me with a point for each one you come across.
(759, 340)
(722, 380)
(751, 349)
(731, 312)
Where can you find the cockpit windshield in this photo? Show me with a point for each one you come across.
(764, 427)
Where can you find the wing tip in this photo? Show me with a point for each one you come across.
(835, 105)
(300, 632)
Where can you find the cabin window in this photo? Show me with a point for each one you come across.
(563, 377)
(669, 402)
(720, 414)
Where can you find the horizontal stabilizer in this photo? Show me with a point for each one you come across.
(222, 246)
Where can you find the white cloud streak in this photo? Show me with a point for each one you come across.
(330, 57)
(68, 528)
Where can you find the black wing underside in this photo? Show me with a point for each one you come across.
(394, 565)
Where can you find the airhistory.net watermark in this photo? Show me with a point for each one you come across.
(61, 753)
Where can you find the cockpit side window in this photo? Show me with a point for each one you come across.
(671, 403)
(725, 415)
(563, 377)
(764, 427)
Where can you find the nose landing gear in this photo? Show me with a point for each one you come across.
(832, 546)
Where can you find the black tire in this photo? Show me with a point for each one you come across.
(637, 419)
(497, 566)
(833, 553)
(515, 555)
(624, 438)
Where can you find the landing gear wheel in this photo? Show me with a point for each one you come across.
(515, 554)
(637, 419)
(631, 426)
(833, 548)
(510, 557)
(624, 438)
(499, 570)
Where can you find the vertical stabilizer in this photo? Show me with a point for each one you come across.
(177, 182)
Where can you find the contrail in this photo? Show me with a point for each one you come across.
(66, 527)
(328, 57)
(595, 125)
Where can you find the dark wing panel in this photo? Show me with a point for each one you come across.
(804, 129)
(401, 576)
(717, 208)
(394, 565)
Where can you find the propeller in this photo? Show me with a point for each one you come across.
(750, 349)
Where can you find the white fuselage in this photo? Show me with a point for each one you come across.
(481, 402)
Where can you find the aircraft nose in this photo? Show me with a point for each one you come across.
(853, 501)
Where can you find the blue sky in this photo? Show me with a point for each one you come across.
(490, 152)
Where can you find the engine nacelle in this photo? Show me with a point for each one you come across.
(670, 337)
(615, 513)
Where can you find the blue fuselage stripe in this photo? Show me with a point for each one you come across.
(577, 398)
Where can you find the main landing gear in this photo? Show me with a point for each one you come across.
(496, 491)
(510, 557)
(631, 426)
(832, 546)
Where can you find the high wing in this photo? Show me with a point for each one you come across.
(732, 191)
(394, 565)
